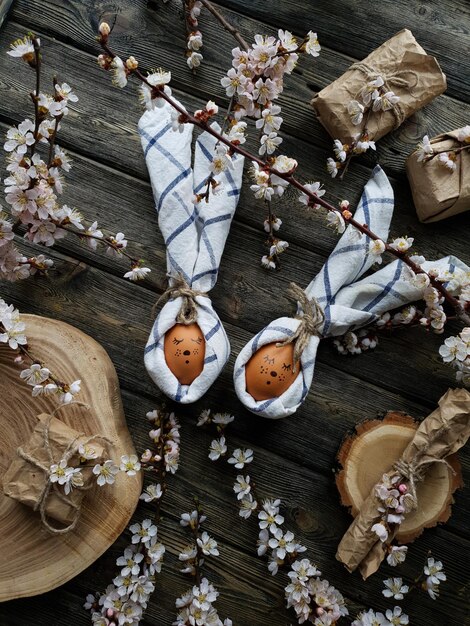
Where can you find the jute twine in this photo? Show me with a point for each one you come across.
(71, 450)
(180, 289)
(311, 318)
(415, 470)
(395, 79)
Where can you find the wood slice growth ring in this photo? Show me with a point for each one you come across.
(371, 452)
(34, 561)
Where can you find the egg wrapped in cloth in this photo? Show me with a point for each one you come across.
(195, 235)
(337, 300)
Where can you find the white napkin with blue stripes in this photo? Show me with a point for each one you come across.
(194, 234)
(348, 302)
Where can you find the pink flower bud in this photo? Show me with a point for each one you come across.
(18, 359)
(402, 488)
(400, 509)
(110, 613)
(320, 611)
(104, 29)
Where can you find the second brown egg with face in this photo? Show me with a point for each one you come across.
(185, 350)
(270, 371)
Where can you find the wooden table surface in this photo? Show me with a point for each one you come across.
(294, 458)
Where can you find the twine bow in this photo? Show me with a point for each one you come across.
(311, 318)
(414, 472)
(180, 289)
(396, 79)
(72, 449)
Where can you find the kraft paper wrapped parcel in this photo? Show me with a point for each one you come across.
(407, 70)
(439, 193)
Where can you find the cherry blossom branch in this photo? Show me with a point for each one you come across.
(230, 28)
(289, 177)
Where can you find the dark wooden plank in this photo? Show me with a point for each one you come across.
(442, 28)
(121, 323)
(77, 22)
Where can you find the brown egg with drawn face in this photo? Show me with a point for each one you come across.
(185, 349)
(269, 372)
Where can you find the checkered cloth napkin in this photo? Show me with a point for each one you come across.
(348, 302)
(194, 235)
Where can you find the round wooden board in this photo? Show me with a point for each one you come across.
(371, 452)
(34, 561)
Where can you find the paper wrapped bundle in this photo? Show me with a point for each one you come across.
(28, 477)
(339, 296)
(438, 436)
(195, 235)
(438, 192)
(407, 70)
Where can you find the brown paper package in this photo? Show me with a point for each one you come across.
(438, 436)
(401, 57)
(437, 192)
(25, 482)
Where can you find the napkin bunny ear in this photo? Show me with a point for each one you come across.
(348, 261)
(195, 236)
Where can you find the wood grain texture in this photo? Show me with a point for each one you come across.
(34, 561)
(294, 457)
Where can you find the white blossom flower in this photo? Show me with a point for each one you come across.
(336, 221)
(137, 273)
(241, 457)
(356, 112)
(402, 244)
(67, 392)
(394, 588)
(193, 519)
(431, 588)
(434, 570)
(267, 262)
(35, 374)
(314, 188)
(278, 246)
(130, 562)
(376, 249)
(269, 517)
(92, 234)
(269, 143)
(464, 134)
(247, 506)
(106, 472)
(194, 60)
(454, 348)
(448, 159)
(234, 83)
(119, 72)
(397, 555)
(312, 46)
(207, 544)
(242, 486)
(58, 472)
(282, 543)
(222, 418)
(396, 617)
(340, 150)
(118, 243)
(130, 464)
(19, 138)
(151, 493)
(385, 101)
(270, 120)
(195, 41)
(143, 533)
(424, 149)
(263, 541)
(370, 618)
(22, 48)
(371, 90)
(275, 222)
(14, 331)
(332, 167)
(363, 143)
(217, 449)
(87, 452)
(381, 531)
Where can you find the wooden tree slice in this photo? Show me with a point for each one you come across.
(34, 561)
(372, 451)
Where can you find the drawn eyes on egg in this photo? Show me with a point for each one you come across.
(177, 341)
(269, 360)
(198, 341)
(286, 367)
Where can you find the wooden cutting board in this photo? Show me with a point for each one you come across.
(32, 560)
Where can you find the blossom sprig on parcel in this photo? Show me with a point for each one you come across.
(313, 197)
(374, 98)
(447, 158)
(36, 168)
